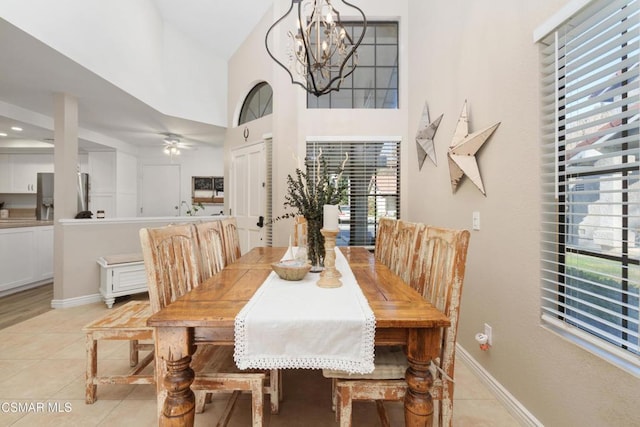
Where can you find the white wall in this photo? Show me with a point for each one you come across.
(200, 161)
(83, 241)
(481, 52)
(78, 278)
(126, 185)
(146, 58)
(291, 123)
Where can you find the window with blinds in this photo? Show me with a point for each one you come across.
(590, 168)
(372, 174)
(268, 230)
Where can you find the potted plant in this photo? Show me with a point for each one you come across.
(307, 193)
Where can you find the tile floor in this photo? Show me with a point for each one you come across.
(42, 366)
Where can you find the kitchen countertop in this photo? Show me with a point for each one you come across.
(23, 222)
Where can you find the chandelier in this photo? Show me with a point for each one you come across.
(320, 52)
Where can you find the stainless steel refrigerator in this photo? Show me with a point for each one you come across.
(44, 195)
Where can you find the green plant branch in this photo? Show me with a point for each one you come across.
(193, 209)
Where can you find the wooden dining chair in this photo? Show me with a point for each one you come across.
(439, 271)
(231, 240)
(299, 231)
(172, 268)
(210, 248)
(126, 323)
(406, 238)
(385, 236)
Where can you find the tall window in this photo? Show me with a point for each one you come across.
(258, 103)
(590, 178)
(374, 83)
(372, 172)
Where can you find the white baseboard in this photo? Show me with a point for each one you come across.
(17, 289)
(514, 407)
(74, 302)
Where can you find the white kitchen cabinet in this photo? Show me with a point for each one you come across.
(24, 171)
(5, 174)
(103, 202)
(26, 257)
(102, 182)
(44, 250)
(17, 259)
(102, 172)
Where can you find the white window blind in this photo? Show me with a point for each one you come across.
(372, 172)
(590, 168)
(268, 146)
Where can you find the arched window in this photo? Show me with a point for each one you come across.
(258, 103)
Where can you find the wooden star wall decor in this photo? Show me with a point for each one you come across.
(424, 137)
(463, 149)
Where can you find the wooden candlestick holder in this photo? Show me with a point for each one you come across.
(330, 277)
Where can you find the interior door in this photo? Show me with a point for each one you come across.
(248, 194)
(160, 190)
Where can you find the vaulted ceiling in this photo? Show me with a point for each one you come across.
(31, 72)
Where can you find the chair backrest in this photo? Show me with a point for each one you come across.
(406, 239)
(385, 235)
(171, 262)
(438, 273)
(210, 248)
(299, 231)
(231, 240)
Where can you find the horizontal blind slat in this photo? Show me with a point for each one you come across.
(590, 173)
(372, 173)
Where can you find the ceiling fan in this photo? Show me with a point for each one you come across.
(173, 144)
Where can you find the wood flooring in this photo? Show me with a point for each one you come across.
(24, 305)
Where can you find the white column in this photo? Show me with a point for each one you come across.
(65, 164)
(65, 156)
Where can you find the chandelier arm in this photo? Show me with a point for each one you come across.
(266, 44)
(308, 69)
(305, 42)
(351, 52)
(309, 56)
(364, 20)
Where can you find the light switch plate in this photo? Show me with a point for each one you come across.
(476, 220)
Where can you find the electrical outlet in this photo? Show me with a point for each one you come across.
(476, 220)
(488, 332)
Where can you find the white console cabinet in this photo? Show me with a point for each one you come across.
(121, 275)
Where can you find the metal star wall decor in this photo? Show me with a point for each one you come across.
(424, 138)
(463, 149)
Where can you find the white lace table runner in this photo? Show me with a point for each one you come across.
(300, 325)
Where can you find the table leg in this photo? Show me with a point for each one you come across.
(423, 345)
(176, 401)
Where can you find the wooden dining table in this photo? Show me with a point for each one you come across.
(207, 315)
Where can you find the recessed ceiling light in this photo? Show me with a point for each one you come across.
(3, 134)
(16, 128)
